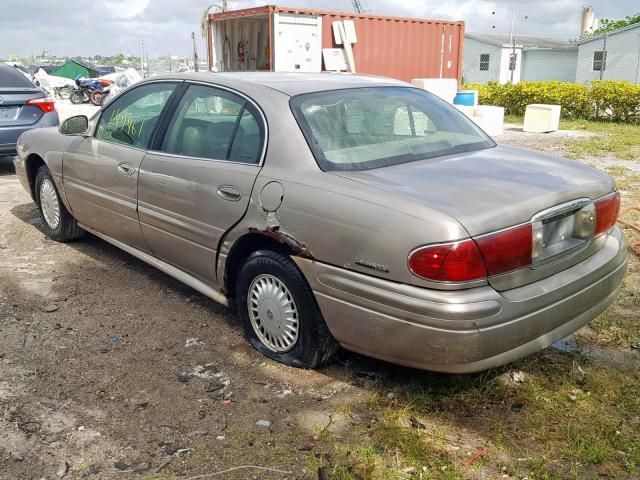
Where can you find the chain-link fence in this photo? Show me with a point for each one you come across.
(503, 58)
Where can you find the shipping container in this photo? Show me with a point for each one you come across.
(286, 39)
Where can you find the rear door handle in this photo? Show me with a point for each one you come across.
(126, 169)
(229, 192)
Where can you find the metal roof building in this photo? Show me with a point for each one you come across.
(74, 67)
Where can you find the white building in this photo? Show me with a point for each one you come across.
(493, 57)
(612, 55)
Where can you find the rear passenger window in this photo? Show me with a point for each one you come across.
(215, 124)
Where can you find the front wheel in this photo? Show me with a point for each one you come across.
(64, 92)
(56, 219)
(279, 313)
(76, 97)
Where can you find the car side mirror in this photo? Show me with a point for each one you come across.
(76, 125)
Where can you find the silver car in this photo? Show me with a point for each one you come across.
(336, 210)
(23, 107)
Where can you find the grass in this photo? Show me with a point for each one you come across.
(558, 423)
(618, 139)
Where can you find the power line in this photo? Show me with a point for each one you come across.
(357, 6)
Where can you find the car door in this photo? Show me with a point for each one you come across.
(100, 173)
(197, 182)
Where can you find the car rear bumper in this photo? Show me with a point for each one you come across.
(469, 330)
(9, 135)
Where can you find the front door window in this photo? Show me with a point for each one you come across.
(131, 118)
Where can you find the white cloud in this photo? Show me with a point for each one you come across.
(126, 8)
(78, 27)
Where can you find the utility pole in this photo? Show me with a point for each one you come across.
(142, 57)
(512, 41)
(195, 52)
(603, 65)
(513, 60)
(638, 65)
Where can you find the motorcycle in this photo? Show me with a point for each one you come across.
(90, 90)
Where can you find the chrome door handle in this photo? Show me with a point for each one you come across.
(229, 192)
(126, 169)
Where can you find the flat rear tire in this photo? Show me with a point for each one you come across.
(279, 312)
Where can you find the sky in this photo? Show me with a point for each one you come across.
(107, 27)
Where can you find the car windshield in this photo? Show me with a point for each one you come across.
(364, 128)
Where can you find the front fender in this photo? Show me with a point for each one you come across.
(44, 145)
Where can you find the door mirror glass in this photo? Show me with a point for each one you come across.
(75, 125)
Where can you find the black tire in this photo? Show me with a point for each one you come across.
(67, 228)
(76, 97)
(315, 345)
(96, 97)
(65, 93)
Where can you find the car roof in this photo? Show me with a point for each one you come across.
(290, 83)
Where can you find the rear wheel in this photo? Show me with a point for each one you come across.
(56, 219)
(97, 98)
(279, 313)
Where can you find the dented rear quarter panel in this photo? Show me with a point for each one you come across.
(329, 218)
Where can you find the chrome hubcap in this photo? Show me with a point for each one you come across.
(49, 203)
(273, 313)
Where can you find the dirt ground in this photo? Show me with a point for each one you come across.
(117, 369)
(111, 369)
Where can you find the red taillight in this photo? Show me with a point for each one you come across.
(607, 211)
(451, 262)
(507, 250)
(44, 104)
(474, 259)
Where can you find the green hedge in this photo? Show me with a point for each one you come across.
(616, 100)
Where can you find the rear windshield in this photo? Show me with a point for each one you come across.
(12, 78)
(364, 128)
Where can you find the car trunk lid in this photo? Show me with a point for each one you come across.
(14, 110)
(493, 189)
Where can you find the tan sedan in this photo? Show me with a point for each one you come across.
(338, 210)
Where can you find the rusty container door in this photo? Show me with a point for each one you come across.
(402, 48)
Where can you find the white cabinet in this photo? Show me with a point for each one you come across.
(541, 118)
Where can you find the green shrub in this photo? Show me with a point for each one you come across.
(617, 100)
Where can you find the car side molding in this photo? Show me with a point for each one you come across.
(193, 282)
